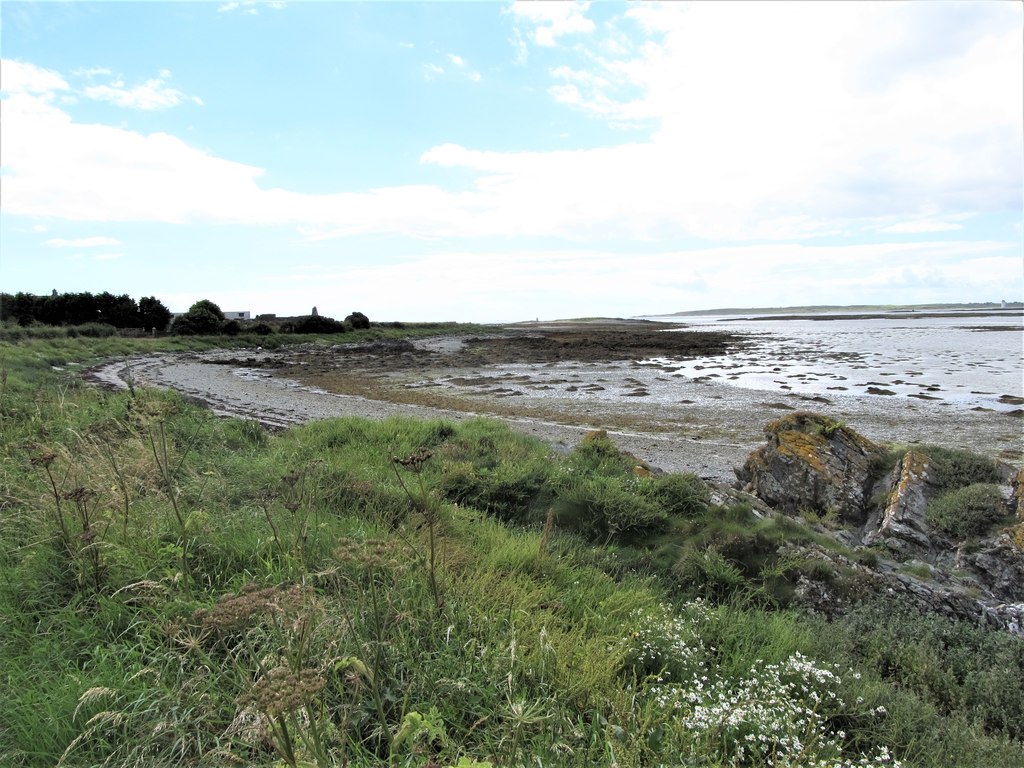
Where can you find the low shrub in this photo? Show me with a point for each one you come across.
(604, 509)
(709, 574)
(317, 324)
(956, 666)
(951, 468)
(357, 321)
(968, 511)
(91, 331)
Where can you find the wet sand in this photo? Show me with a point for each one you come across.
(556, 382)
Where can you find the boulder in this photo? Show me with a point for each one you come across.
(813, 463)
(901, 526)
(997, 563)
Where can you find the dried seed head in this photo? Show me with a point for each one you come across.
(43, 459)
(414, 460)
(78, 494)
(233, 612)
(283, 690)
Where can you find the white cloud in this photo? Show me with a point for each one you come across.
(765, 127)
(922, 226)
(250, 7)
(20, 77)
(430, 71)
(456, 60)
(573, 283)
(153, 94)
(82, 242)
(91, 72)
(550, 21)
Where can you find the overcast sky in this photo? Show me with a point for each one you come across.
(497, 162)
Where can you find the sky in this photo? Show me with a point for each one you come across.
(493, 162)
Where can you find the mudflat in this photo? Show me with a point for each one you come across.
(557, 381)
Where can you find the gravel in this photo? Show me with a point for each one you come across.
(708, 430)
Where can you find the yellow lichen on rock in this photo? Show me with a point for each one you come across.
(804, 446)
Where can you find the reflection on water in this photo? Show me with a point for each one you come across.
(967, 361)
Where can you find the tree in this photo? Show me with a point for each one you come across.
(203, 318)
(23, 308)
(358, 321)
(209, 306)
(318, 324)
(153, 313)
(118, 311)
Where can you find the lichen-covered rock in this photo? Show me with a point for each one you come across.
(813, 463)
(901, 526)
(998, 563)
(1017, 499)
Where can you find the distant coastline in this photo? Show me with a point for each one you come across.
(867, 310)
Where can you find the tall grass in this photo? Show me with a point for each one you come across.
(177, 589)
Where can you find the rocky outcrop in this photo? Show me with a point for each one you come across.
(813, 463)
(901, 525)
(998, 564)
(1017, 499)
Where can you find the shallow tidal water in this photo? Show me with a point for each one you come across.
(962, 361)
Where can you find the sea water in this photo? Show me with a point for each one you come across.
(963, 359)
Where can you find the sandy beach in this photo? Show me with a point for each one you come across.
(556, 382)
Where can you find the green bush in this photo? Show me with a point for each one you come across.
(357, 321)
(710, 574)
(679, 495)
(968, 511)
(956, 666)
(318, 324)
(91, 331)
(950, 468)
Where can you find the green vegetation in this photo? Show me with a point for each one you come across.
(82, 309)
(967, 512)
(177, 589)
(969, 501)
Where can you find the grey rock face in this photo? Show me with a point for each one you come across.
(901, 526)
(811, 463)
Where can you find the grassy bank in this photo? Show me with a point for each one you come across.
(177, 589)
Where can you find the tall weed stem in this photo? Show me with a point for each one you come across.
(428, 507)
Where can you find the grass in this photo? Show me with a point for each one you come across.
(177, 589)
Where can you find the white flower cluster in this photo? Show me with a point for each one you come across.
(666, 646)
(777, 715)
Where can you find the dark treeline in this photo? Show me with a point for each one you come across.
(72, 309)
